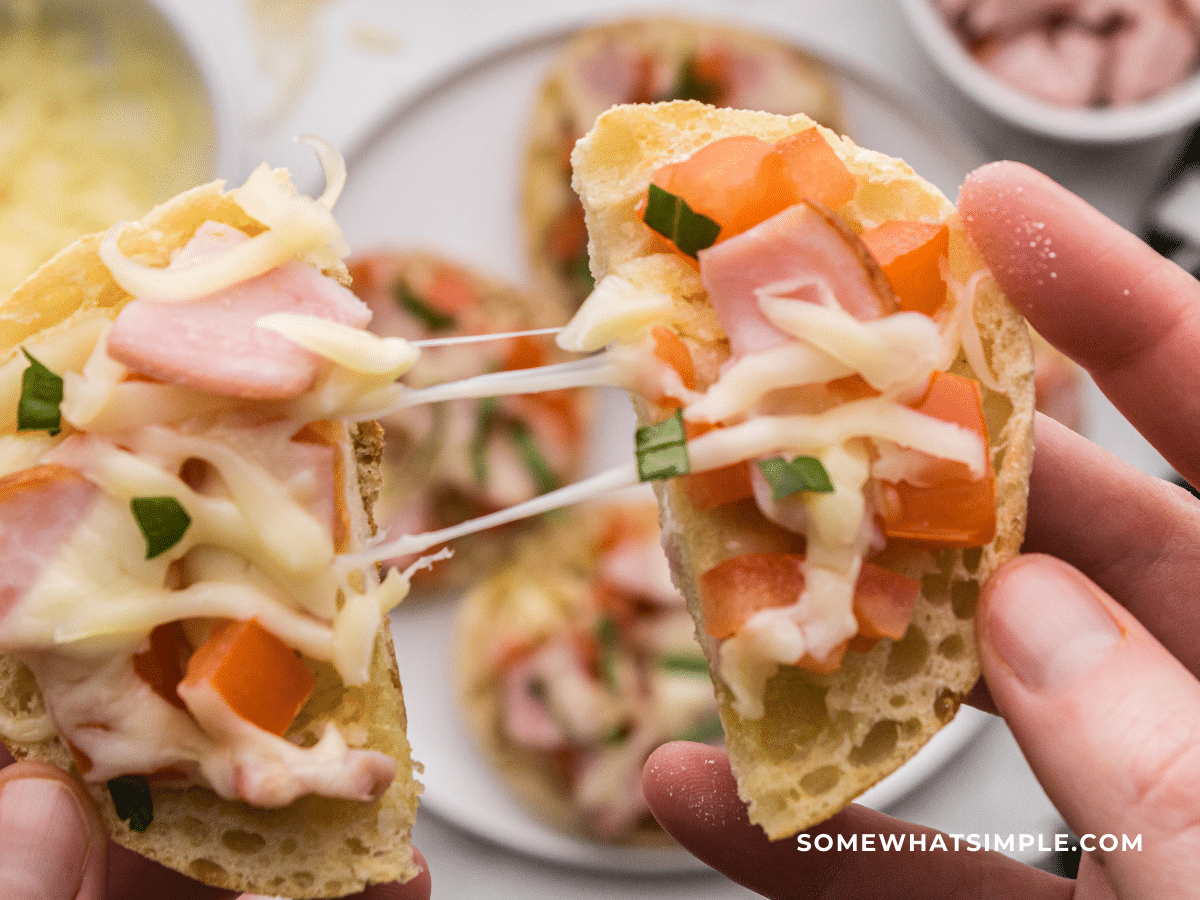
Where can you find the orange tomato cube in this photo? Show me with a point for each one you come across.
(958, 511)
(909, 254)
(261, 678)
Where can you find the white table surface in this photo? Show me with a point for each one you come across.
(370, 55)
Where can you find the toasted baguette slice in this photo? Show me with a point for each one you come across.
(825, 738)
(315, 847)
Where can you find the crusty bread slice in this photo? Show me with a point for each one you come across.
(824, 738)
(315, 847)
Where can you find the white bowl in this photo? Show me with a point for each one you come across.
(159, 26)
(1167, 112)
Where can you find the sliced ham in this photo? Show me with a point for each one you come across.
(212, 344)
(1062, 67)
(1008, 16)
(1155, 51)
(790, 254)
(39, 508)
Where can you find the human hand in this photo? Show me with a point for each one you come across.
(1101, 695)
(53, 847)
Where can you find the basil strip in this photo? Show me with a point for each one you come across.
(41, 394)
(687, 665)
(132, 801)
(163, 521)
(804, 473)
(485, 419)
(433, 319)
(606, 638)
(662, 449)
(671, 217)
(535, 462)
(691, 85)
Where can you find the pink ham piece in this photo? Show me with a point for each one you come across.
(1156, 50)
(1009, 16)
(1062, 67)
(212, 344)
(39, 508)
(802, 245)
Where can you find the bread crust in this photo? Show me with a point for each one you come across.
(315, 847)
(824, 739)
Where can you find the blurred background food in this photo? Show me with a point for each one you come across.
(636, 61)
(576, 659)
(103, 113)
(448, 462)
(1081, 52)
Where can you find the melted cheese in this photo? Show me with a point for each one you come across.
(260, 542)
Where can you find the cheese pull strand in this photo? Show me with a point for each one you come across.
(623, 476)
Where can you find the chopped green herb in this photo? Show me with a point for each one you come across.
(662, 449)
(163, 521)
(671, 217)
(606, 638)
(678, 662)
(579, 271)
(41, 394)
(433, 319)
(132, 801)
(703, 732)
(804, 473)
(485, 421)
(544, 479)
(691, 85)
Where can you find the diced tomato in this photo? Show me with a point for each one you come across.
(817, 172)
(524, 352)
(450, 292)
(884, 602)
(258, 675)
(908, 253)
(716, 487)
(740, 181)
(735, 181)
(671, 349)
(161, 665)
(734, 590)
(958, 511)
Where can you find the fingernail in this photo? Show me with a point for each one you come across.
(43, 840)
(1047, 622)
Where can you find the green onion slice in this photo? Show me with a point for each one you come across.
(485, 419)
(662, 449)
(132, 801)
(804, 473)
(687, 665)
(671, 217)
(534, 460)
(163, 521)
(606, 638)
(41, 394)
(691, 85)
(431, 318)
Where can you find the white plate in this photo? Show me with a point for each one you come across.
(443, 173)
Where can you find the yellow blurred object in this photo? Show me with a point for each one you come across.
(98, 121)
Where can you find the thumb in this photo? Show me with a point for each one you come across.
(52, 846)
(1107, 718)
